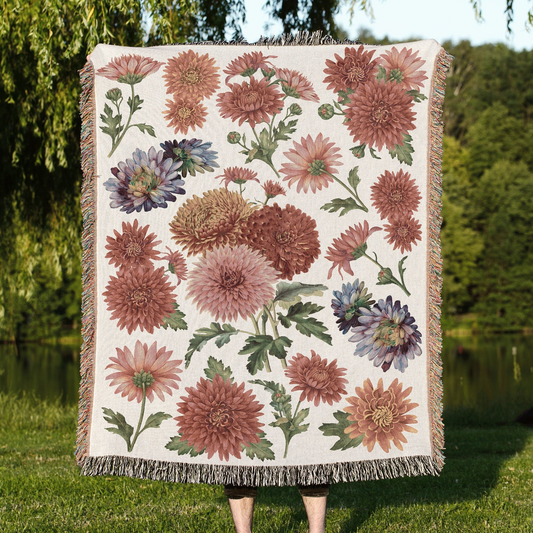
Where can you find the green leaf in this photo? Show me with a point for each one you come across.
(401, 268)
(382, 74)
(337, 430)
(353, 178)
(417, 96)
(282, 132)
(175, 320)
(112, 123)
(262, 450)
(117, 419)
(344, 204)
(222, 335)
(214, 367)
(182, 447)
(344, 96)
(257, 347)
(403, 153)
(281, 401)
(373, 153)
(135, 104)
(145, 128)
(291, 427)
(299, 314)
(277, 349)
(154, 420)
(290, 292)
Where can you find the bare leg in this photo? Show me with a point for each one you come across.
(315, 507)
(242, 511)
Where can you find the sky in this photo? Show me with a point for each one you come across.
(403, 20)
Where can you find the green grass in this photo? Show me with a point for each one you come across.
(486, 485)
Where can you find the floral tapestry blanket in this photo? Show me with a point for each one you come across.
(262, 263)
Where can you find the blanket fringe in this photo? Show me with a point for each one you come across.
(260, 475)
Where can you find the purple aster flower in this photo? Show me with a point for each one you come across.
(147, 181)
(387, 333)
(193, 153)
(347, 304)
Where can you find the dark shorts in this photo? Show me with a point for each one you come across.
(310, 491)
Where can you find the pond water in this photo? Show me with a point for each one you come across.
(477, 371)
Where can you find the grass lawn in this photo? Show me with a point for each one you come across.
(486, 485)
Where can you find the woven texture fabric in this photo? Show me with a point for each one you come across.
(262, 262)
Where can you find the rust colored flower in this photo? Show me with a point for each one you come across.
(254, 102)
(403, 232)
(312, 163)
(248, 64)
(350, 246)
(176, 264)
(273, 189)
(183, 113)
(404, 68)
(145, 367)
(132, 247)
(381, 415)
(287, 238)
(295, 84)
(238, 175)
(191, 76)
(216, 219)
(379, 114)
(395, 194)
(140, 298)
(318, 381)
(229, 282)
(351, 71)
(130, 69)
(219, 417)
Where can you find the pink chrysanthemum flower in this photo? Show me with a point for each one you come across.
(231, 282)
(312, 163)
(248, 64)
(184, 113)
(404, 68)
(238, 175)
(350, 246)
(145, 367)
(403, 232)
(273, 189)
(176, 264)
(318, 381)
(219, 417)
(130, 69)
(295, 84)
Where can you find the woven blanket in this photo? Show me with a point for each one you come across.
(261, 261)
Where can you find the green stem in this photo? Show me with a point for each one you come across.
(256, 327)
(138, 430)
(360, 204)
(394, 280)
(121, 136)
(274, 325)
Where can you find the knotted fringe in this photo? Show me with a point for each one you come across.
(434, 282)
(260, 476)
(88, 210)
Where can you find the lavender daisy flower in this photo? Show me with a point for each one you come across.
(147, 181)
(387, 333)
(347, 304)
(193, 153)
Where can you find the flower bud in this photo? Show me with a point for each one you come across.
(114, 94)
(234, 137)
(295, 109)
(326, 111)
(385, 276)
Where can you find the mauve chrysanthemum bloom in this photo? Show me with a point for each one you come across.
(286, 237)
(145, 182)
(194, 155)
(348, 302)
(140, 298)
(145, 366)
(273, 189)
(238, 175)
(176, 264)
(353, 241)
(254, 102)
(184, 113)
(248, 64)
(404, 68)
(387, 333)
(228, 282)
(295, 84)
(318, 381)
(379, 113)
(312, 162)
(191, 75)
(133, 247)
(381, 415)
(216, 219)
(219, 417)
(395, 194)
(130, 69)
(403, 232)
(351, 71)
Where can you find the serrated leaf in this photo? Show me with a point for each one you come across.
(353, 178)
(154, 420)
(203, 335)
(135, 104)
(417, 96)
(257, 347)
(344, 204)
(305, 324)
(277, 348)
(289, 292)
(344, 96)
(175, 320)
(282, 132)
(145, 128)
(403, 153)
(382, 73)
(182, 447)
(117, 419)
(401, 268)
(262, 450)
(214, 367)
(112, 123)
(337, 430)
